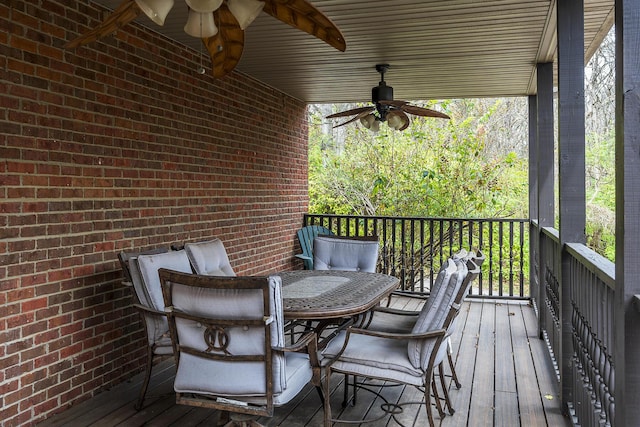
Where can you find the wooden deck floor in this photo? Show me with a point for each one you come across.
(507, 380)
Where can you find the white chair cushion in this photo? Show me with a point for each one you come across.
(149, 266)
(373, 357)
(433, 313)
(209, 258)
(229, 304)
(195, 375)
(146, 282)
(334, 253)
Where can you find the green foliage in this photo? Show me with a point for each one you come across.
(600, 190)
(434, 168)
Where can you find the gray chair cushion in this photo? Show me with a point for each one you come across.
(196, 374)
(373, 357)
(209, 258)
(146, 282)
(346, 254)
(149, 266)
(435, 310)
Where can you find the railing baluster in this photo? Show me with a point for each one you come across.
(431, 270)
(480, 246)
(510, 258)
(522, 264)
(491, 258)
(501, 258)
(421, 255)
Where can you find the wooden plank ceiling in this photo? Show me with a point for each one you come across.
(437, 48)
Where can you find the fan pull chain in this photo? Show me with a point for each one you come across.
(201, 70)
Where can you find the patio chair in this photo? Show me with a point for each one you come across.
(345, 253)
(342, 253)
(124, 257)
(229, 344)
(306, 236)
(387, 319)
(406, 358)
(143, 270)
(209, 258)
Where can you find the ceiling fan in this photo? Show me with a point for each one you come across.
(221, 24)
(385, 108)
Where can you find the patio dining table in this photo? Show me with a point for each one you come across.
(332, 294)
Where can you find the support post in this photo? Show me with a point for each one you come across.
(571, 168)
(546, 166)
(627, 321)
(534, 240)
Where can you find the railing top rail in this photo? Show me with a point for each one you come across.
(604, 269)
(552, 233)
(425, 218)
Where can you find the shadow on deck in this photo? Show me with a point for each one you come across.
(506, 374)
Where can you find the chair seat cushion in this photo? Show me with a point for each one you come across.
(163, 345)
(373, 357)
(240, 381)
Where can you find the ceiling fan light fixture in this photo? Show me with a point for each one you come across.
(203, 6)
(245, 11)
(375, 126)
(156, 10)
(368, 120)
(201, 25)
(395, 121)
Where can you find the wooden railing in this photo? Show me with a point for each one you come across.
(413, 249)
(589, 297)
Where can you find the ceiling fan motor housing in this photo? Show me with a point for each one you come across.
(382, 92)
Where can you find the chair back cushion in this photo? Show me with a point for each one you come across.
(199, 374)
(345, 253)
(306, 236)
(146, 283)
(435, 310)
(209, 258)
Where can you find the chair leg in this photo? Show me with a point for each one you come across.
(327, 399)
(436, 397)
(454, 375)
(147, 377)
(427, 402)
(445, 390)
(346, 400)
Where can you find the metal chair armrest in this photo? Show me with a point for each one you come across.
(395, 311)
(149, 310)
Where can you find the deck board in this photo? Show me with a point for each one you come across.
(529, 398)
(506, 397)
(465, 348)
(482, 406)
(507, 380)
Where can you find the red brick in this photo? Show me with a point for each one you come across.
(100, 173)
(34, 304)
(19, 320)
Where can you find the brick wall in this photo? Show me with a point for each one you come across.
(121, 145)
